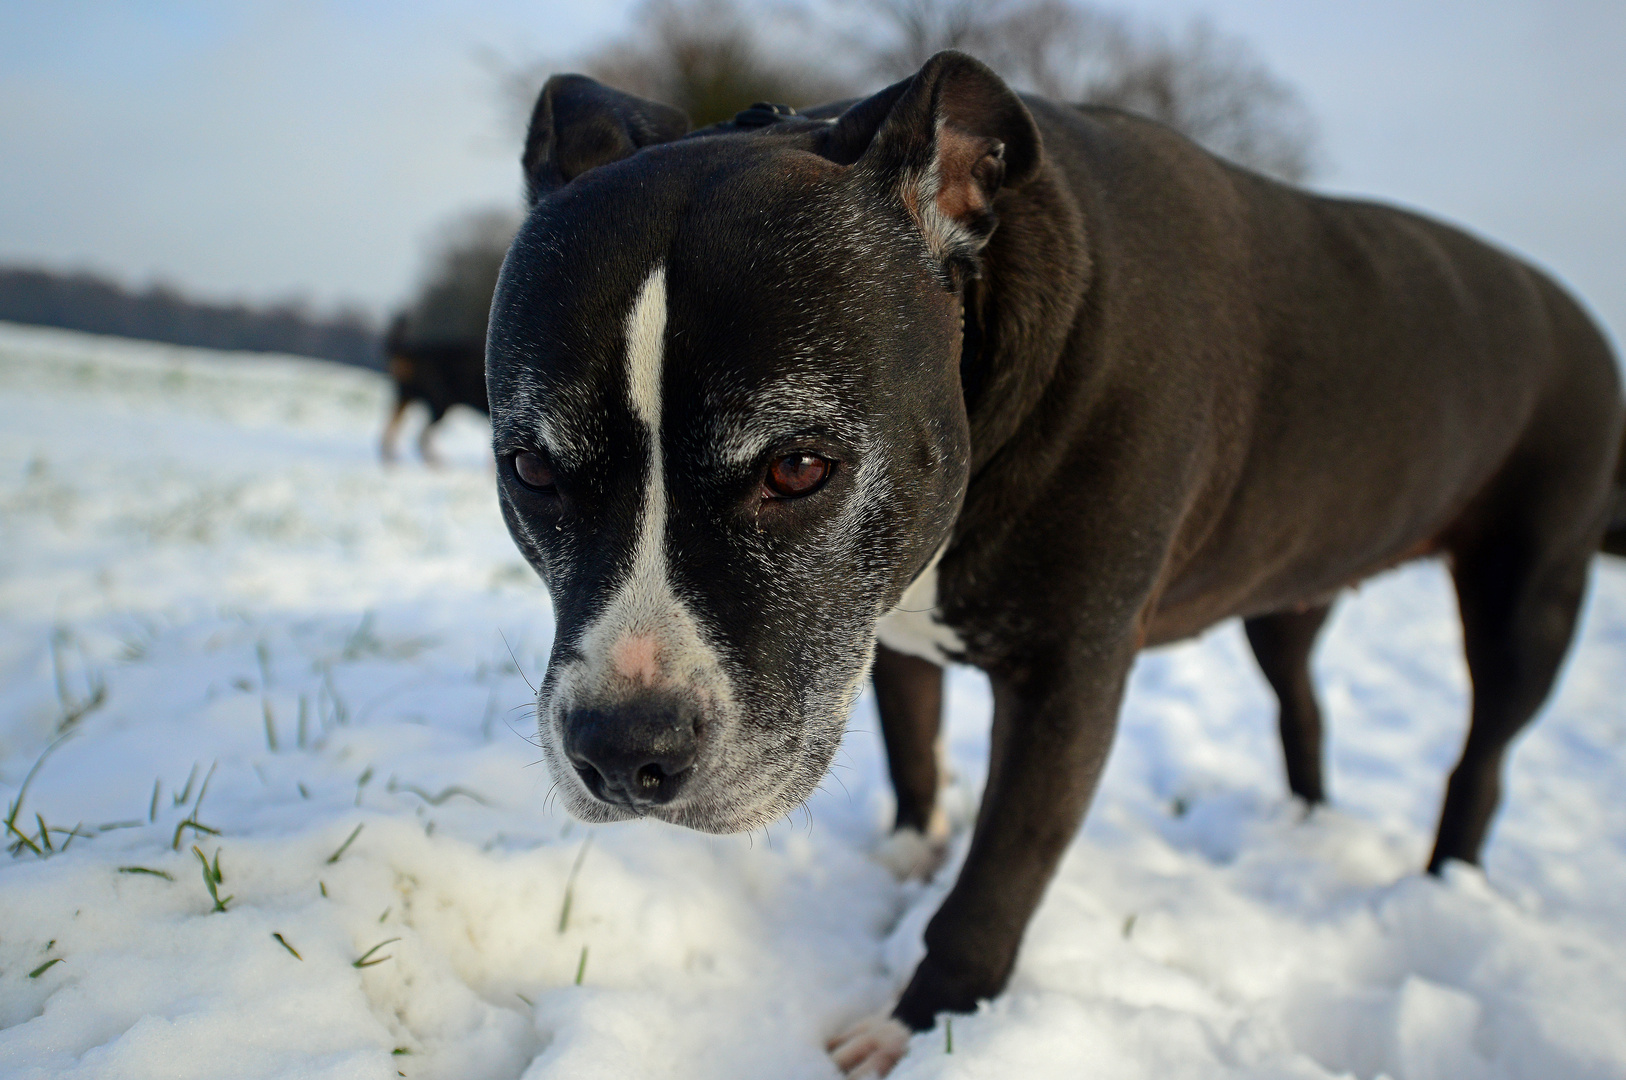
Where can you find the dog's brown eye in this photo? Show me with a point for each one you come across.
(797, 474)
(532, 470)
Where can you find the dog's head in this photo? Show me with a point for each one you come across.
(725, 394)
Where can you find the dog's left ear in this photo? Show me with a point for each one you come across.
(580, 124)
(944, 141)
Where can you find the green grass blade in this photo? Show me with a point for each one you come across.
(570, 885)
(186, 792)
(43, 968)
(146, 870)
(210, 882)
(284, 943)
(362, 961)
(333, 858)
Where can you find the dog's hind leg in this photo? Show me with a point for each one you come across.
(1614, 536)
(392, 429)
(909, 697)
(426, 443)
(1282, 643)
(1519, 601)
(1520, 559)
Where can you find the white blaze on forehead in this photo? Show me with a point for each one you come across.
(645, 635)
(635, 650)
(646, 348)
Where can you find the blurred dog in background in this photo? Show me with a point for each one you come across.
(438, 373)
(436, 346)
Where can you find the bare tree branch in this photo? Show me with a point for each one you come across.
(707, 57)
(1207, 85)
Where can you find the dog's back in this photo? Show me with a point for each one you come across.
(1359, 377)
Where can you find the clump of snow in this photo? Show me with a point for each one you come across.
(224, 626)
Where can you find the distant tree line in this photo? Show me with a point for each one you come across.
(160, 313)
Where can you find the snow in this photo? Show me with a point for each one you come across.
(249, 625)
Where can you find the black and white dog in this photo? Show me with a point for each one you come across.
(1054, 378)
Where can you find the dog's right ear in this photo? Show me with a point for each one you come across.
(944, 142)
(580, 124)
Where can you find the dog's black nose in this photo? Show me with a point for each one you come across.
(633, 755)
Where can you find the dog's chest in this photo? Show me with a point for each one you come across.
(915, 627)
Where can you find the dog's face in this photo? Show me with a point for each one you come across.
(729, 430)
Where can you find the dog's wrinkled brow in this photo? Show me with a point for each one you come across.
(796, 406)
(565, 420)
(740, 442)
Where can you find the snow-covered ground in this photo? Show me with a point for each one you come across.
(224, 627)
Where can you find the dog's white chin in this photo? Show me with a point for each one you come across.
(704, 811)
(584, 807)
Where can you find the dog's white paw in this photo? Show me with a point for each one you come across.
(913, 855)
(910, 855)
(870, 1048)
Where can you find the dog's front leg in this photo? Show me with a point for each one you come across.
(1052, 730)
(909, 698)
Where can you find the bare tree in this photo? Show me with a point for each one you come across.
(1041, 45)
(1212, 88)
(707, 57)
(1205, 84)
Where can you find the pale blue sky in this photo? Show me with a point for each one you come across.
(268, 149)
